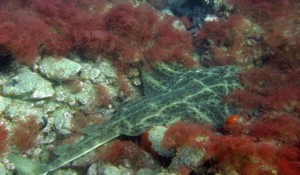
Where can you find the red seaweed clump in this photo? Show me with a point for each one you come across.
(125, 34)
(22, 33)
(278, 130)
(3, 139)
(257, 32)
(240, 154)
(24, 134)
(21, 137)
(125, 153)
(186, 134)
(226, 39)
(265, 146)
(273, 88)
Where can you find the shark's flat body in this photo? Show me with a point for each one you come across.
(170, 95)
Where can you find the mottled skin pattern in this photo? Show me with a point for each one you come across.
(194, 95)
(171, 94)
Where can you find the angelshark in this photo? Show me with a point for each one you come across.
(172, 93)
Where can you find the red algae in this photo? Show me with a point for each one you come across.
(260, 147)
(3, 139)
(123, 33)
(24, 134)
(186, 134)
(124, 153)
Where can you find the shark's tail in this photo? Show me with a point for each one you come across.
(26, 166)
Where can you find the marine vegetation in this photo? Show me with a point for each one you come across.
(236, 112)
(128, 35)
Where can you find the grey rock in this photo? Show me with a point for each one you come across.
(101, 72)
(21, 108)
(62, 94)
(85, 72)
(28, 84)
(87, 95)
(65, 172)
(62, 120)
(49, 138)
(156, 136)
(147, 171)
(59, 69)
(108, 170)
(93, 170)
(4, 77)
(4, 102)
(188, 157)
(166, 173)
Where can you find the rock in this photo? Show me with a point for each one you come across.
(108, 170)
(155, 136)
(187, 157)
(65, 172)
(87, 95)
(28, 84)
(62, 94)
(59, 69)
(62, 120)
(101, 72)
(92, 170)
(166, 173)
(147, 171)
(4, 102)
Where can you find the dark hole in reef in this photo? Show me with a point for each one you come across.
(6, 61)
(194, 10)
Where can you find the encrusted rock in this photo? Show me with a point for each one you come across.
(87, 95)
(63, 95)
(4, 102)
(65, 172)
(62, 120)
(147, 171)
(59, 69)
(104, 169)
(101, 72)
(188, 157)
(155, 136)
(28, 84)
(20, 108)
